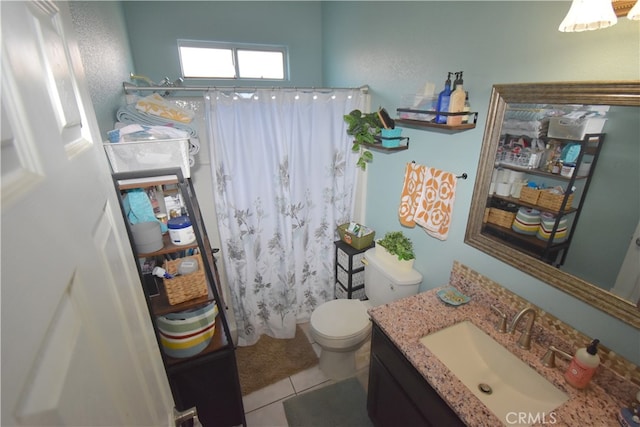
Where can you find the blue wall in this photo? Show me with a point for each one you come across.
(104, 46)
(155, 27)
(396, 47)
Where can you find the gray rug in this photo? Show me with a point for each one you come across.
(343, 404)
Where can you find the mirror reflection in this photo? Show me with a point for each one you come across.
(557, 193)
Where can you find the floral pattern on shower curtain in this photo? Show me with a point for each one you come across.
(284, 177)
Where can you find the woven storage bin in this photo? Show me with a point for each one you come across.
(553, 201)
(187, 287)
(354, 241)
(529, 195)
(501, 218)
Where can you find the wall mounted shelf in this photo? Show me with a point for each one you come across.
(473, 117)
(404, 144)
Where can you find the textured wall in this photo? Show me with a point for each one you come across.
(104, 46)
(155, 27)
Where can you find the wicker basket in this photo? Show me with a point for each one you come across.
(529, 195)
(187, 287)
(501, 218)
(353, 241)
(552, 201)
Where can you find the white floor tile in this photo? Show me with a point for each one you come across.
(268, 416)
(307, 379)
(268, 395)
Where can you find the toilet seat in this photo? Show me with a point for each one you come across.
(340, 319)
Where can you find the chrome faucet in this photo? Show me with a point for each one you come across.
(525, 339)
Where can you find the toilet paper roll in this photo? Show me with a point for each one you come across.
(494, 176)
(515, 176)
(492, 189)
(516, 189)
(501, 175)
(503, 189)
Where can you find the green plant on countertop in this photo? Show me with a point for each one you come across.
(363, 127)
(396, 243)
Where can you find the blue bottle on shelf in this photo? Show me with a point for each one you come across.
(443, 101)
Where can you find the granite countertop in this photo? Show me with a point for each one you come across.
(407, 320)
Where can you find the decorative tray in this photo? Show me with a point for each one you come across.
(452, 296)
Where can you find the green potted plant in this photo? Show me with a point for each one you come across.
(363, 127)
(396, 248)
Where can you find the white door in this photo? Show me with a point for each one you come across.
(627, 283)
(77, 344)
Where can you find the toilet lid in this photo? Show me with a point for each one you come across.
(340, 318)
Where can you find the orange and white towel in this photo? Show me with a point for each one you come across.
(411, 193)
(435, 205)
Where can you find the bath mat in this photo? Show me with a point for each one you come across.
(343, 404)
(271, 360)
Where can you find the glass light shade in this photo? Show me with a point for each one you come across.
(585, 15)
(634, 13)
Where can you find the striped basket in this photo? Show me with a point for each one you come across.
(527, 221)
(547, 221)
(187, 333)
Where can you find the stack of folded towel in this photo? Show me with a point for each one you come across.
(154, 111)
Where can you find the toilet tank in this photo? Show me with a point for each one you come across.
(385, 282)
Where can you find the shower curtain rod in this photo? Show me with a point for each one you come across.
(130, 87)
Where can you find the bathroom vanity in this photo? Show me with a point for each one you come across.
(398, 395)
(409, 385)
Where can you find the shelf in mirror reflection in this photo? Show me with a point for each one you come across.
(610, 212)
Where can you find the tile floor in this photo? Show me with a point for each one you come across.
(263, 408)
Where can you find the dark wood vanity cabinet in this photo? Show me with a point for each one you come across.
(398, 395)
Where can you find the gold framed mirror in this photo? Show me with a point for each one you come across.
(606, 93)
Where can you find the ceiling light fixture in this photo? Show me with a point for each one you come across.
(634, 13)
(585, 15)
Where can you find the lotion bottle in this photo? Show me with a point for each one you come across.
(443, 100)
(583, 365)
(456, 103)
(467, 108)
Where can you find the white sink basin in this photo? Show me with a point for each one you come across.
(476, 359)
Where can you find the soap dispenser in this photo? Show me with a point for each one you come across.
(583, 365)
(443, 100)
(456, 102)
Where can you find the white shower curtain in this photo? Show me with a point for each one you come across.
(283, 178)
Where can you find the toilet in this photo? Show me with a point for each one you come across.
(341, 326)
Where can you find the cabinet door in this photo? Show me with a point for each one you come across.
(415, 389)
(387, 403)
(211, 385)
